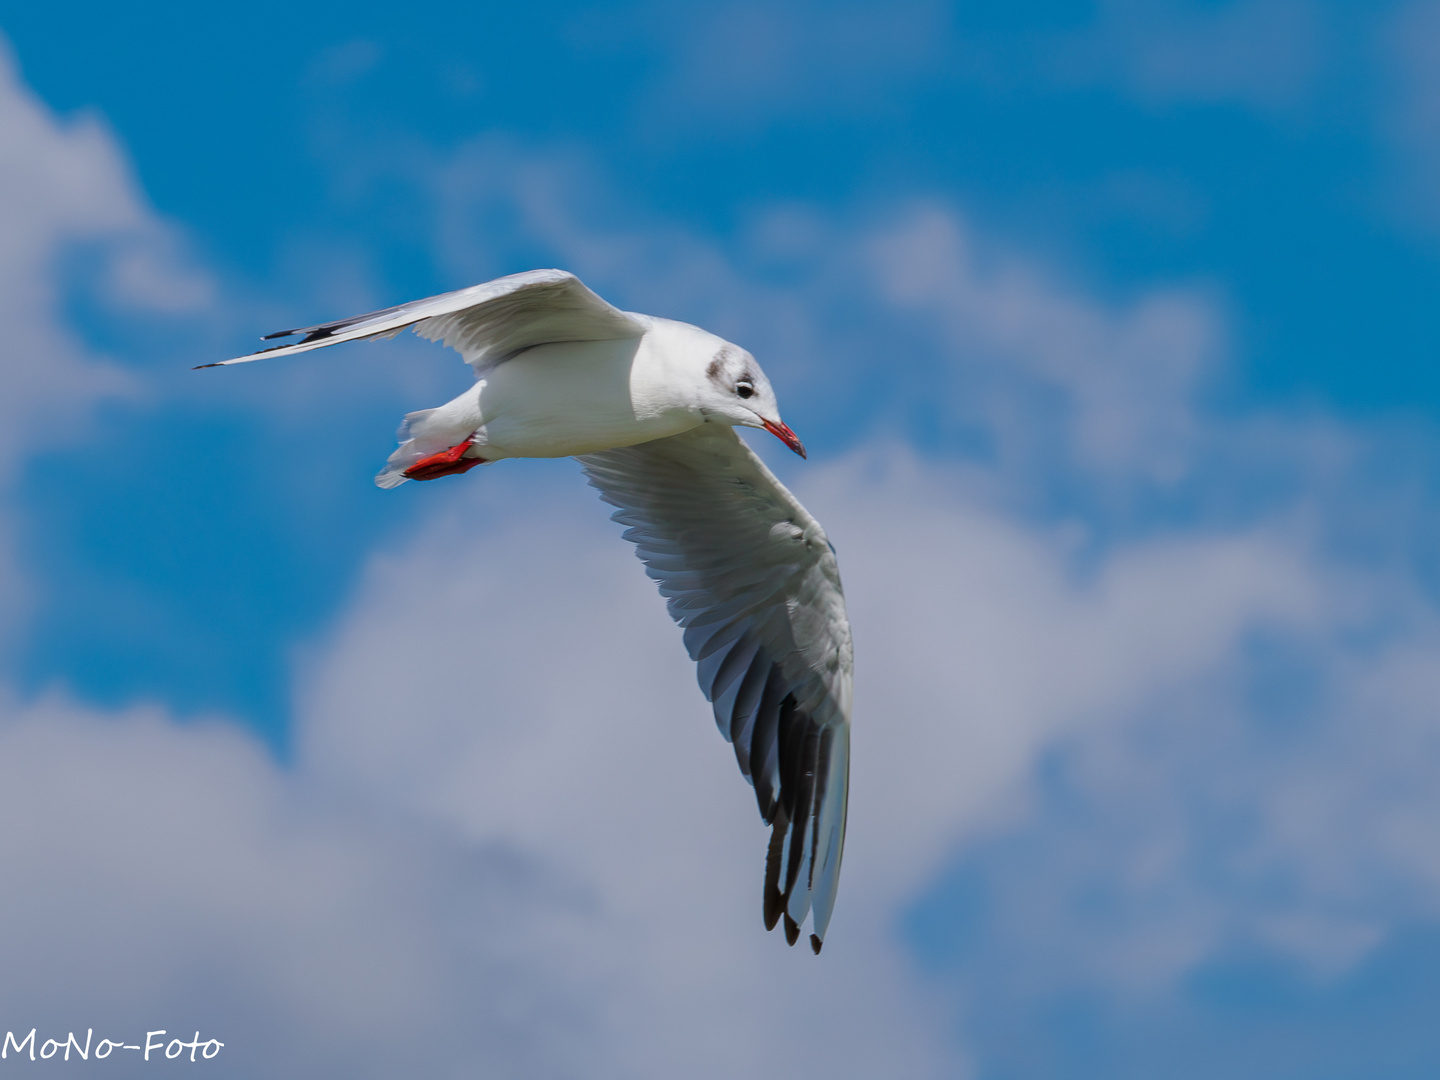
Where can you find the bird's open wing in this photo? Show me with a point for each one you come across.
(486, 324)
(753, 580)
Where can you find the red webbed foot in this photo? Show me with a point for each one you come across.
(444, 463)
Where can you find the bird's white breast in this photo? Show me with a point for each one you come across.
(579, 397)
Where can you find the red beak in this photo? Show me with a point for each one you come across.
(785, 435)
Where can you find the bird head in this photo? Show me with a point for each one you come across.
(738, 390)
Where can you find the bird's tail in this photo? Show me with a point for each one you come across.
(414, 445)
(391, 475)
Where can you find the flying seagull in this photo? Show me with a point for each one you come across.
(649, 406)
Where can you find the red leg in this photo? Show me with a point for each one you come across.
(444, 463)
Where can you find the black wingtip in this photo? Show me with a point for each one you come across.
(201, 367)
(774, 903)
(816, 944)
(278, 333)
(774, 898)
(792, 930)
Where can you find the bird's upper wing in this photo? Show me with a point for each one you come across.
(487, 324)
(753, 580)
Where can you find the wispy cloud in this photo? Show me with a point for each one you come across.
(1409, 56)
(1264, 54)
(1055, 375)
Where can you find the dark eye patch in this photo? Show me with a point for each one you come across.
(716, 368)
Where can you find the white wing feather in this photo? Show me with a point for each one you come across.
(753, 580)
(487, 324)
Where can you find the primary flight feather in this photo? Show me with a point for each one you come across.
(649, 406)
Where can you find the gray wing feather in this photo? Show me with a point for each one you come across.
(752, 579)
(487, 323)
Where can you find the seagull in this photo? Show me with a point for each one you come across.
(649, 407)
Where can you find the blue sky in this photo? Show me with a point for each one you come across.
(1110, 329)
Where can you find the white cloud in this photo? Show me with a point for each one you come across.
(166, 876)
(1218, 822)
(64, 183)
(1040, 364)
(65, 187)
(56, 185)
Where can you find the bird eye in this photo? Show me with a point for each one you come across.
(744, 389)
